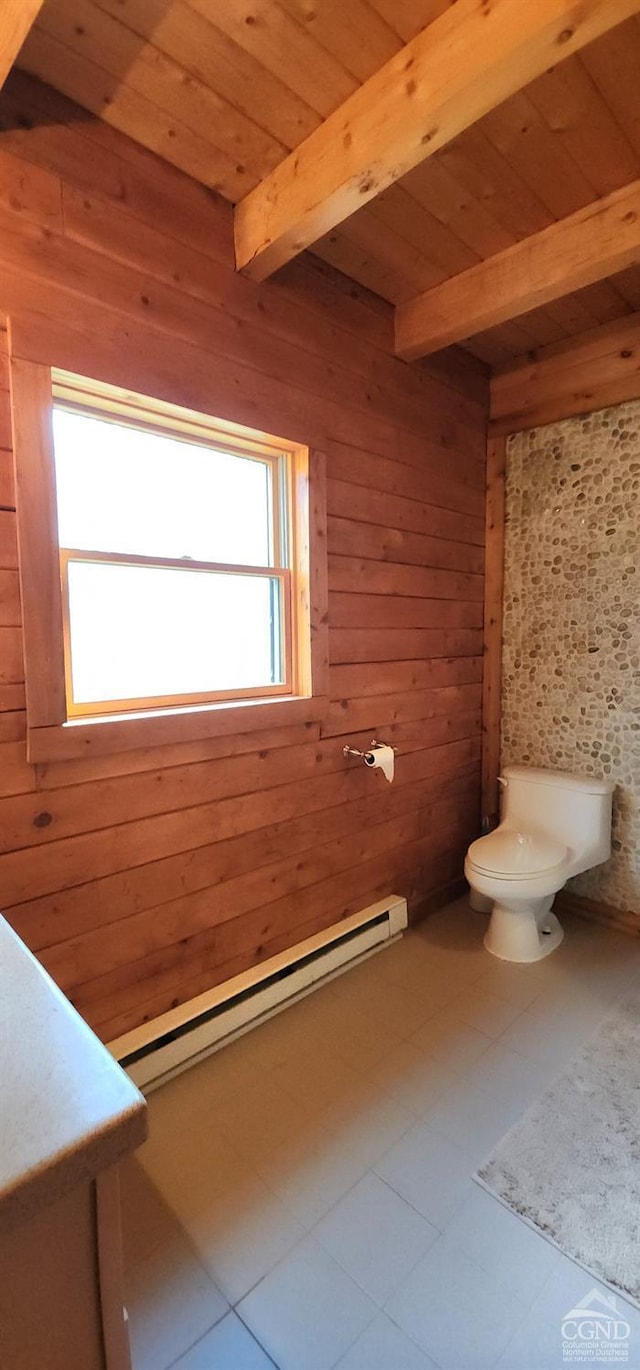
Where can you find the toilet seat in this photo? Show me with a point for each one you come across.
(510, 854)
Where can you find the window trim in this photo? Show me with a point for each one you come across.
(51, 735)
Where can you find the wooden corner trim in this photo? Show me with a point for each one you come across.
(493, 609)
(38, 567)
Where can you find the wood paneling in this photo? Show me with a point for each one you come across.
(598, 368)
(582, 249)
(17, 18)
(440, 84)
(143, 877)
(157, 69)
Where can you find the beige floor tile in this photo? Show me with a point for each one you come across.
(399, 959)
(455, 1311)
(485, 1011)
(307, 1312)
(430, 1172)
(366, 1123)
(228, 1346)
(453, 1044)
(509, 1079)
(171, 1302)
(402, 1011)
(412, 1076)
(242, 1235)
(147, 1220)
(376, 1038)
(189, 1164)
(408, 951)
(607, 981)
(383, 1346)
(259, 1118)
(538, 1342)
(471, 1118)
(396, 1011)
(282, 1035)
(514, 983)
(567, 1284)
(549, 1039)
(372, 971)
(456, 965)
(582, 1010)
(510, 1251)
(537, 1345)
(356, 1030)
(338, 1027)
(375, 1236)
(432, 983)
(310, 1172)
(411, 1064)
(317, 1078)
(207, 1084)
(456, 929)
(187, 1095)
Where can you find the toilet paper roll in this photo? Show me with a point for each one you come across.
(383, 759)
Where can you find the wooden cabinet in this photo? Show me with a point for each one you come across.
(68, 1115)
(61, 1304)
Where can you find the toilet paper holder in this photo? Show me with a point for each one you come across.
(363, 756)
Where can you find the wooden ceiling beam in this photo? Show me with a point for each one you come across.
(597, 241)
(470, 59)
(591, 371)
(16, 19)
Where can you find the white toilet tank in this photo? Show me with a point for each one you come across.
(575, 809)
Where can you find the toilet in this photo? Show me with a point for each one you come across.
(554, 824)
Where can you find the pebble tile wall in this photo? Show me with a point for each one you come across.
(571, 656)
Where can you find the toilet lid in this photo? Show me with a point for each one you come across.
(508, 852)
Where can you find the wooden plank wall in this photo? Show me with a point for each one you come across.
(599, 368)
(141, 879)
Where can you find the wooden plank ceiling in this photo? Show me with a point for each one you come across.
(225, 89)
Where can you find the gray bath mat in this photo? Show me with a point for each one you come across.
(571, 1166)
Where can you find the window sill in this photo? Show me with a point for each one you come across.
(120, 733)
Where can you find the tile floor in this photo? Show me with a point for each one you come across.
(305, 1199)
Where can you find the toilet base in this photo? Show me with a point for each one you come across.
(480, 903)
(524, 932)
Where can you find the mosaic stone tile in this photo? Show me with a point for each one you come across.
(571, 653)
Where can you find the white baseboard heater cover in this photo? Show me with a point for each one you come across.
(151, 1054)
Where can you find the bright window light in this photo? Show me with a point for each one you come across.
(142, 631)
(122, 489)
(174, 557)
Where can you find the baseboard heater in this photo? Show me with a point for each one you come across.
(151, 1054)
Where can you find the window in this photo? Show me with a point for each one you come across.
(175, 555)
(182, 555)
